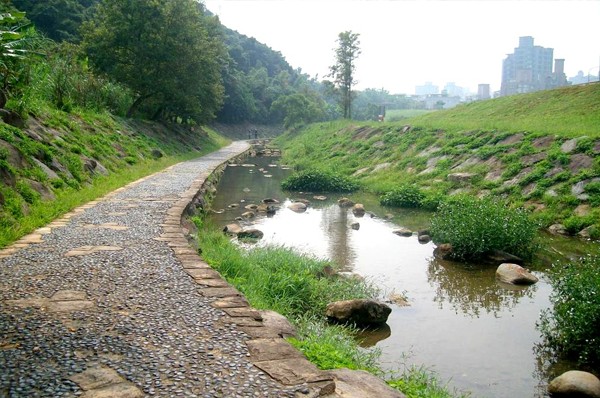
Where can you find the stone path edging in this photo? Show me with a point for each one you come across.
(272, 354)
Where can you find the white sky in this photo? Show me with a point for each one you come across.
(409, 42)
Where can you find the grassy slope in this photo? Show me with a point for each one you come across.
(124, 150)
(512, 145)
(568, 112)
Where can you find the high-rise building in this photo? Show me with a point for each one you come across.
(483, 91)
(529, 69)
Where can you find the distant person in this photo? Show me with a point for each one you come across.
(255, 133)
(249, 133)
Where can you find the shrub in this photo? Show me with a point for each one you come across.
(575, 224)
(29, 194)
(408, 195)
(476, 226)
(319, 181)
(570, 327)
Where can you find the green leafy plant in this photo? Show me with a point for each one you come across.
(319, 181)
(570, 327)
(409, 195)
(476, 226)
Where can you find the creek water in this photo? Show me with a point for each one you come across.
(474, 332)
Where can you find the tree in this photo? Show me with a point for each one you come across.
(299, 109)
(167, 51)
(342, 71)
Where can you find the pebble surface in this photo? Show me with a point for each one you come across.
(140, 316)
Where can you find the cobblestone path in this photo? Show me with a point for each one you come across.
(111, 301)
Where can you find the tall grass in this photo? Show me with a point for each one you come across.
(295, 285)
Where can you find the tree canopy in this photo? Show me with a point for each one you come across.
(163, 51)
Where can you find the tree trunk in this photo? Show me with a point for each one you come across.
(136, 104)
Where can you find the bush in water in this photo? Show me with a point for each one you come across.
(319, 181)
(570, 327)
(476, 226)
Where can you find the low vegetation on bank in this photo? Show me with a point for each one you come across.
(570, 327)
(300, 287)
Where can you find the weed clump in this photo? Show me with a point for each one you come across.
(476, 226)
(570, 327)
(319, 181)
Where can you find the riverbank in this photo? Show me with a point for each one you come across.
(500, 148)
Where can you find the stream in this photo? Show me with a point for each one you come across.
(475, 333)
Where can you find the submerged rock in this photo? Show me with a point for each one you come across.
(360, 312)
(250, 233)
(515, 275)
(345, 202)
(575, 383)
(297, 207)
(355, 226)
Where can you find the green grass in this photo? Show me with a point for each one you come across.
(568, 112)
(294, 285)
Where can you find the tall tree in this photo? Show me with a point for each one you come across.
(342, 71)
(164, 51)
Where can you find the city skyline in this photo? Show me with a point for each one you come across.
(408, 43)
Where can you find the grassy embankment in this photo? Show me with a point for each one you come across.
(539, 150)
(62, 160)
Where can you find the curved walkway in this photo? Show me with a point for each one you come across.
(111, 301)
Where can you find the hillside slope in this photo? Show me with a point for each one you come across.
(77, 157)
(553, 169)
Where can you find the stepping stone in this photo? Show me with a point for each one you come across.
(85, 250)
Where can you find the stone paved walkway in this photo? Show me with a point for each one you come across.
(111, 301)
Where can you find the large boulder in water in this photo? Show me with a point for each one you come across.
(358, 210)
(575, 383)
(361, 312)
(515, 274)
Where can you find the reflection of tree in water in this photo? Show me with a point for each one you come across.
(471, 288)
(335, 224)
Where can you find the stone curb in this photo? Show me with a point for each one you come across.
(274, 355)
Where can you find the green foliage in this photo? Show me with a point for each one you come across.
(570, 327)
(167, 52)
(333, 347)
(575, 224)
(404, 196)
(319, 181)
(29, 194)
(299, 109)
(476, 226)
(418, 382)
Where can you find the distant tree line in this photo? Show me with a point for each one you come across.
(165, 60)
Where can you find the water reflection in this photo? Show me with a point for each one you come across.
(334, 223)
(471, 289)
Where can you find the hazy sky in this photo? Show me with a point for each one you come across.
(408, 42)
